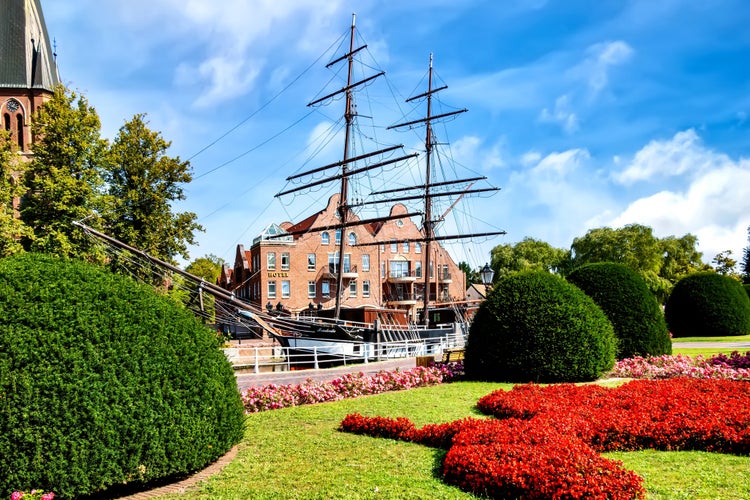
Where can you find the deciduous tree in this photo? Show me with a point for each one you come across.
(527, 255)
(12, 229)
(143, 182)
(63, 180)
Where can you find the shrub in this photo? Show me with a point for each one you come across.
(535, 326)
(103, 382)
(632, 309)
(708, 305)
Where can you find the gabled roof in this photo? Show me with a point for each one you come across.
(26, 58)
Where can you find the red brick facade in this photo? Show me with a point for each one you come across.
(297, 271)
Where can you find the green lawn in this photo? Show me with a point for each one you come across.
(298, 453)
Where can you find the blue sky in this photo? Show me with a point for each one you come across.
(585, 113)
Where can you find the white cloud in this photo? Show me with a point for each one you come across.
(602, 57)
(715, 205)
(561, 114)
(470, 151)
(683, 154)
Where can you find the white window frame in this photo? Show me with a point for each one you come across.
(286, 289)
(352, 288)
(366, 288)
(365, 262)
(311, 290)
(311, 261)
(271, 289)
(271, 261)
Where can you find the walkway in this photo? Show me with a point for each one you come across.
(245, 380)
(730, 346)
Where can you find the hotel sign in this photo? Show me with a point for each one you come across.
(278, 275)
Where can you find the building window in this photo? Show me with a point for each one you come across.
(365, 262)
(382, 269)
(285, 289)
(271, 289)
(394, 246)
(366, 288)
(399, 269)
(19, 125)
(432, 274)
(446, 274)
(271, 261)
(310, 289)
(325, 288)
(353, 289)
(325, 238)
(347, 262)
(418, 269)
(285, 261)
(382, 248)
(417, 247)
(352, 239)
(333, 262)
(338, 236)
(311, 262)
(405, 247)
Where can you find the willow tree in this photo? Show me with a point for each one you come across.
(63, 180)
(527, 255)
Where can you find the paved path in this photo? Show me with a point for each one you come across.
(245, 380)
(730, 346)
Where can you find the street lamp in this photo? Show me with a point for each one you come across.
(487, 274)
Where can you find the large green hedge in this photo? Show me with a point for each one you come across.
(708, 305)
(632, 309)
(537, 327)
(103, 382)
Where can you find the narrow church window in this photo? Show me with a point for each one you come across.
(19, 122)
(6, 119)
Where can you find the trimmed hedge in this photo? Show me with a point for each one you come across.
(535, 326)
(104, 383)
(708, 305)
(632, 309)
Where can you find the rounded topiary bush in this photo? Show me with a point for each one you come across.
(632, 309)
(537, 327)
(708, 305)
(103, 382)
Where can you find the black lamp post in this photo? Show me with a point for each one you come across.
(487, 274)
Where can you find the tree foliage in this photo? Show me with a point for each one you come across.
(63, 180)
(746, 260)
(12, 229)
(661, 262)
(526, 255)
(472, 275)
(143, 182)
(726, 265)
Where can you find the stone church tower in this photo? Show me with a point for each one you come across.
(28, 74)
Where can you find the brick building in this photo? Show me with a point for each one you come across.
(298, 272)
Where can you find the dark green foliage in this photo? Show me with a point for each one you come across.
(708, 305)
(746, 286)
(632, 309)
(104, 382)
(535, 326)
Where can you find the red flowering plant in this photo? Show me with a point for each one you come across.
(543, 441)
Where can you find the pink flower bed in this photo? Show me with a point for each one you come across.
(273, 397)
(544, 441)
(680, 365)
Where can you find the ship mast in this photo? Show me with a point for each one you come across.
(343, 208)
(428, 224)
(428, 228)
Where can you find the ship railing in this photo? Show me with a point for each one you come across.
(278, 358)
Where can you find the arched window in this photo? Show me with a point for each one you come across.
(325, 238)
(6, 121)
(338, 236)
(19, 130)
(352, 239)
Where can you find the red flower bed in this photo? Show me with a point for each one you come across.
(544, 441)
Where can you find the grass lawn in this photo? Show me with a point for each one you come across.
(298, 453)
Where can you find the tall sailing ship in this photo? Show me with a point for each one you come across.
(421, 312)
